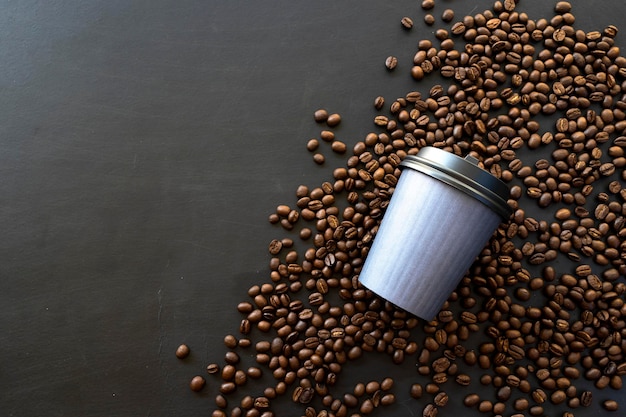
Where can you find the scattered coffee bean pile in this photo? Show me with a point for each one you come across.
(537, 329)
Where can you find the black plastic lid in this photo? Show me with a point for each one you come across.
(463, 174)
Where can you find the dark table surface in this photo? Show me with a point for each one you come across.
(142, 147)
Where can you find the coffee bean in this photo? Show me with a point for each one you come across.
(416, 391)
(230, 341)
(441, 399)
(333, 119)
(391, 62)
(367, 406)
(428, 4)
(379, 102)
(586, 398)
(197, 383)
(430, 410)
(562, 7)
(320, 115)
(231, 357)
(485, 406)
(312, 145)
(338, 147)
(319, 159)
(520, 404)
(406, 22)
(610, 405)
(471, 400)
(182, 351)
(447, 15)
(386, 384)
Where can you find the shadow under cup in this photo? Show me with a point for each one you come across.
(442, 212)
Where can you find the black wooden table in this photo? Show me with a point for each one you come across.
(142, 147)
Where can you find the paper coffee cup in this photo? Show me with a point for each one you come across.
(443, 211)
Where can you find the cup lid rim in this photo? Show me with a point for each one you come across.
(462, 174)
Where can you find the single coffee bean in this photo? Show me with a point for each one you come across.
(254, 372)
(471, 400)
(228, 372)
(371, 387)
(428, 4)
(319, 159)
(504, 393)
(197, 383)
(275, 247)
(312, 145)
(441, 399)
(610, 405)
(562, 7)
(182, 351)
(320, 115)
(485, 406)
(338, 147)
(231, 357)
(520, 404)
(386, 384)
(221, 401)
(430, 410)
(406, 22)
(447, 15)
(367, 406)
(333, 119)
(586, 398)
(416, 391)
(391, 62)
(230, 341)
(558, 396)
(379, 102)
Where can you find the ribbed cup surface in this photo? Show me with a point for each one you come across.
(429, 237)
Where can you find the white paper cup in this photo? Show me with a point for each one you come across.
(442, 212)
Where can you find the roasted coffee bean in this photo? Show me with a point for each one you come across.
(182, 351)
(441, 399)
(230, 341)
(586, 398)
(254, 372)
(320, 115)
(428, 4)
(231, 357)
(562, 7)
(610, 405)
(312, 145)
(386, 384)
(379, 102)
(333, 119)
(197, 383)
(430, 410)
(406, 22)
(447, 15)
(391, 62)
(416, 391)
(471, 400)
(367, 406)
